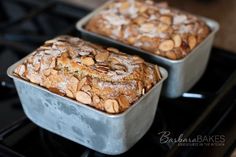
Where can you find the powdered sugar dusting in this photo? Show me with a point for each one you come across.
(116, 20)
(164, 11)
(126, 33)
(184, 29)
(21, 70)
(128, 64)
(153, 17)
(33, 75)
(131, 85)
(132, 11)
(62, 85)
(179, 19)
(116, 32)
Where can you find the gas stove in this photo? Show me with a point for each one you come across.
(199, 123)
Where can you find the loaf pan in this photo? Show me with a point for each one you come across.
(100, 131)
(183, 73)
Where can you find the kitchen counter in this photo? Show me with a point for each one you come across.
(222, 11)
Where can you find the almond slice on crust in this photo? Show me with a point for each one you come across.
(166, 45)
(83, 97)
(111, 106)
(87, 61)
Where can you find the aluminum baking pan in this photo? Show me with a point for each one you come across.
(100, 131)
(183, 73)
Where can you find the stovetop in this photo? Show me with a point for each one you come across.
(207, 110)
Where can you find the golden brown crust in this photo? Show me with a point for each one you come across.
(104, 78)
(154, 27)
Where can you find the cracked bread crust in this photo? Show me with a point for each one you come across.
(103, 78)
(153, 27)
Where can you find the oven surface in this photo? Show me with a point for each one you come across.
(206, 112)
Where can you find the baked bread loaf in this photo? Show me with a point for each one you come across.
(153, 27)
(104, 78)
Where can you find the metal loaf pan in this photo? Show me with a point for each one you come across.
(183, 73)
(103, 132)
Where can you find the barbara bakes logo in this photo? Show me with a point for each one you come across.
(198, 140)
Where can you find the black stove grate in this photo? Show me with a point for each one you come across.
(204, 110)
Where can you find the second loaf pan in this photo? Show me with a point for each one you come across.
(183, 73)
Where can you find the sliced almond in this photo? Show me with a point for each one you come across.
(57, 91)
(151, 11)
(143, 91)
(53, 62)
(73, 83)
(47, 72)
(123, 101)
(157, 52)
(65, 54)
(140, 87)
(35, 78)
(177, 40)
(111, 106)
(192, 41)
(113, 49)
(45, 47)
(47, 82)
(83, 97)
(86, 88)
(111, 5)
(30, 59)
(84, 53)
(96, 99)
(119, 67)
(102, 56)
(50, 41)
(81, 83)
(124, 6)
(20, 70)
(158, 74)
(102, 69)
(54, 72)
(166, 19)
(171, 55)
(140, 20)
(37, 66)
(99, 106)
(179, 19)
(166, 45)
(161, 27)
(149, 86)
(120, 72)
(147, 27)
(142, 9)
(87, 61)
(63, 60)
(113, 60)
(69, 93)
(137, 60)
(131, 40)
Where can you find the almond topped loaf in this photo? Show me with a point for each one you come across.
(104, 78)
(153, 27)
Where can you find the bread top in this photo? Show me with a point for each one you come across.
(154, 27)
(104, 78)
